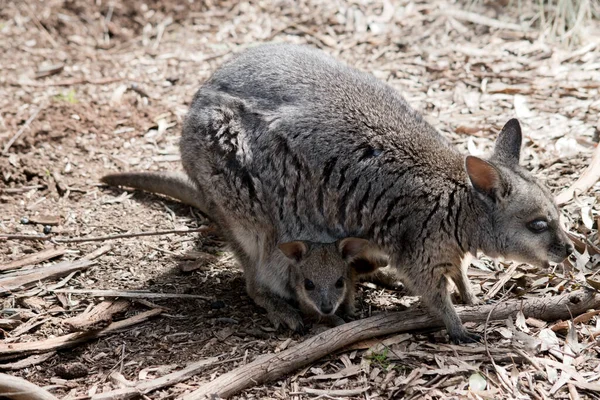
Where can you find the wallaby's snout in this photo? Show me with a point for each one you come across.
(326, 308)
(561, 248)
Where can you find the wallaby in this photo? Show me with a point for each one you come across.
(291, 144)
(322, 277)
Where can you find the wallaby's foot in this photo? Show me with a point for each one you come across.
(334, 320)
(346, 311)
(463, 336)
(279, 311)
(287, 319)
(386, 278)
(472, 301)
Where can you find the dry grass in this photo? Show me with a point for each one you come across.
(568, 22)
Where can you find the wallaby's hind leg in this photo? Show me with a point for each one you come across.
(431, 283)
(461, 280)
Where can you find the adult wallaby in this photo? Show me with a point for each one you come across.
(291, 144)
(320, 278)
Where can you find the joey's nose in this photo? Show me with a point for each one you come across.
(569, 248)
(326, 308)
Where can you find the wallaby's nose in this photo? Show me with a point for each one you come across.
(570, 248)
(326, 308)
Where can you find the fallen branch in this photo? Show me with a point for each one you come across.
(97, 318)
(19, 389)
(33, 259)
(102, 238)
(273, 366)
(8, 285)
(72, 339)
(589, 177)
(130, 294)
(144, 387)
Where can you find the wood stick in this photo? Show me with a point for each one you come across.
(7, 236)
(589, 177)
(144, 387)
(131, 294)
(21, 130)
(33, 259)
(274, 366)
(97, 318)
(19, 389)
(27, 362)
(21, 189)
(8, 285)
(72, 339)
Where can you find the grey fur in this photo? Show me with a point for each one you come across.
(291, 144)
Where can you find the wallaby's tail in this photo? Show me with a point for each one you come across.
(173, 184)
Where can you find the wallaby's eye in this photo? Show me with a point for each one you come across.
(340, 283)
(538, 225)
(309, 285)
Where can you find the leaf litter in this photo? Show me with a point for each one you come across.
(103, 86)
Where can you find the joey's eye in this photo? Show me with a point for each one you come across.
(538, 225)
(340, 283)
(309, 285)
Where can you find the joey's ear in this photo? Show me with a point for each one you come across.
(295, 251)
(364, 257)
(508, 144)
(351, 247)
(484, 177)
(369, 262)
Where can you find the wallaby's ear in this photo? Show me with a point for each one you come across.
(295, 251)
(508, 144)
(484, 177)
(351, 247)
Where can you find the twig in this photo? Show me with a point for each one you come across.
(273, 366)
(131, 294)
(67, 82)
(483, 20)
(39, 25)
(144, 387)
(27, 362)
(54, 239)
(8, 285)
(19, 389)
(336, 392)
(46, 254)
(98, 317)
(485, 341)
(21, 130)
(21, 189)
(72, 339)
(589, 177)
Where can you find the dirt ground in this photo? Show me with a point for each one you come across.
(103, 86)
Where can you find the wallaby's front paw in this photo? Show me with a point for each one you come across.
(335, 320)
(472, 301)
(290, 319)
(464, 336)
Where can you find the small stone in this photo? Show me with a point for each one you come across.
(24, 220)
(215, 305)
(47, 229)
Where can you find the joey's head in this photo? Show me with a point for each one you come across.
(324, 273)
(521, 219)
